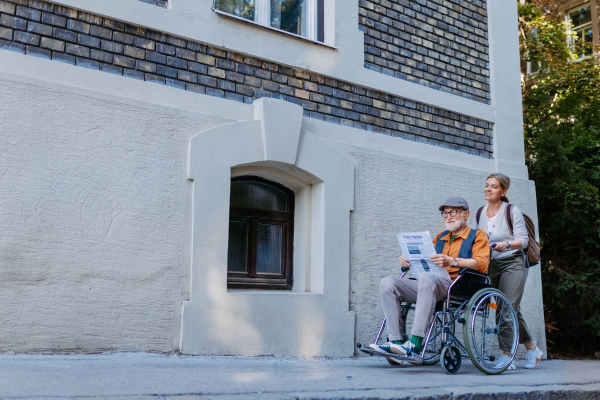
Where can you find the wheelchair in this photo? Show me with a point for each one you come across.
(490, 326)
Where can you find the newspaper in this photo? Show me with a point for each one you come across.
(417, 247)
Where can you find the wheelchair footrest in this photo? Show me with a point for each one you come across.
(411, 358)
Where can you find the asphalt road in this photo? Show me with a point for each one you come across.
(145, 376)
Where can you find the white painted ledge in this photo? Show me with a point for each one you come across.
(79, 80)
(193, 19)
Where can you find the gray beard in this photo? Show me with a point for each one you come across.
(454, 226)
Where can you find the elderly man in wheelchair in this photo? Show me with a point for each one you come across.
(433, 305)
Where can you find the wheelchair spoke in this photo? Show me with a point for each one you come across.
(491, 330)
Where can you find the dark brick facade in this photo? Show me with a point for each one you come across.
(75, 37)
(441, 44)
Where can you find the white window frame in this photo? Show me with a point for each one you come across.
(579, 27)
(529, 64)
(263, 18)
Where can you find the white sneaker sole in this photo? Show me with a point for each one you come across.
(400, 351)
(373, 346)
(537, 360)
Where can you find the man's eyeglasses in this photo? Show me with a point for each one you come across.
(451, 213)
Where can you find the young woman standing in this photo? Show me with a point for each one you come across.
(507, 270)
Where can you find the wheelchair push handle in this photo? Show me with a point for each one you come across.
(404, 271)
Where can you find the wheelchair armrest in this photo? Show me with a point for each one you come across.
(463, 271)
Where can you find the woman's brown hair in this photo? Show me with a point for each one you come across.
(504, 183)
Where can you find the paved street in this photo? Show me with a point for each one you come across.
(143, 376)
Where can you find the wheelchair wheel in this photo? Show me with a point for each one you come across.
(432, 352)
(451, 359)
(491, 327)
(392, 363)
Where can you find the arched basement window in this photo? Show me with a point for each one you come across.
(261, 230)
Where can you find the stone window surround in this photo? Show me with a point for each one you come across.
(314, 315)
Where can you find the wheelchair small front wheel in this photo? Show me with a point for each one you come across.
(491, 329)
(451, 359)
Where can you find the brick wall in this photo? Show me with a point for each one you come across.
(441, 44)
(42, 29)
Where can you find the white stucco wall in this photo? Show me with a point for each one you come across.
(93, 220)
(95, 210)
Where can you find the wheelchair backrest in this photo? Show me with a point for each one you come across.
(468, 284)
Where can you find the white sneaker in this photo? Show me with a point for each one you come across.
(391, 360)
(533, 357)
(407, 348)
(502, 362)
(375, 347)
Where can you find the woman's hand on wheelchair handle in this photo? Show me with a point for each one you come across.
(501, 246)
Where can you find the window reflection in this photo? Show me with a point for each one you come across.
(581, 28)
(242, 8)
(581, 16)
(289, 15)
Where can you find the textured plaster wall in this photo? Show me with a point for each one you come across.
(396, 193)
(94, 214)
(93, 233)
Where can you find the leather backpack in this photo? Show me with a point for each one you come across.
(533, 247)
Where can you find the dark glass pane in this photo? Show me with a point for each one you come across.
(581, 16)
(257, 195)
(289, 15)
(237, 253)
(269, 241)
(241, 8)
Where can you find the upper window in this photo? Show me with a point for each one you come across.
(303, 18)
(534, 67)
(261, 219)
(581, 26)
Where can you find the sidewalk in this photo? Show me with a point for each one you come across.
(140, 376)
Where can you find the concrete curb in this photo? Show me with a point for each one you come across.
(577, 392)
(135, 376)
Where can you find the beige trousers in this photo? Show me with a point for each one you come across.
(509, 275)
(425, 292)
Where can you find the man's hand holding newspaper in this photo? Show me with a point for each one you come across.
(419, 254)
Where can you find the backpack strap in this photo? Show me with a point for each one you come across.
(508, 215)
(439, 245)
(478, 214)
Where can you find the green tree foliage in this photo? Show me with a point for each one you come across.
(561, 112)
